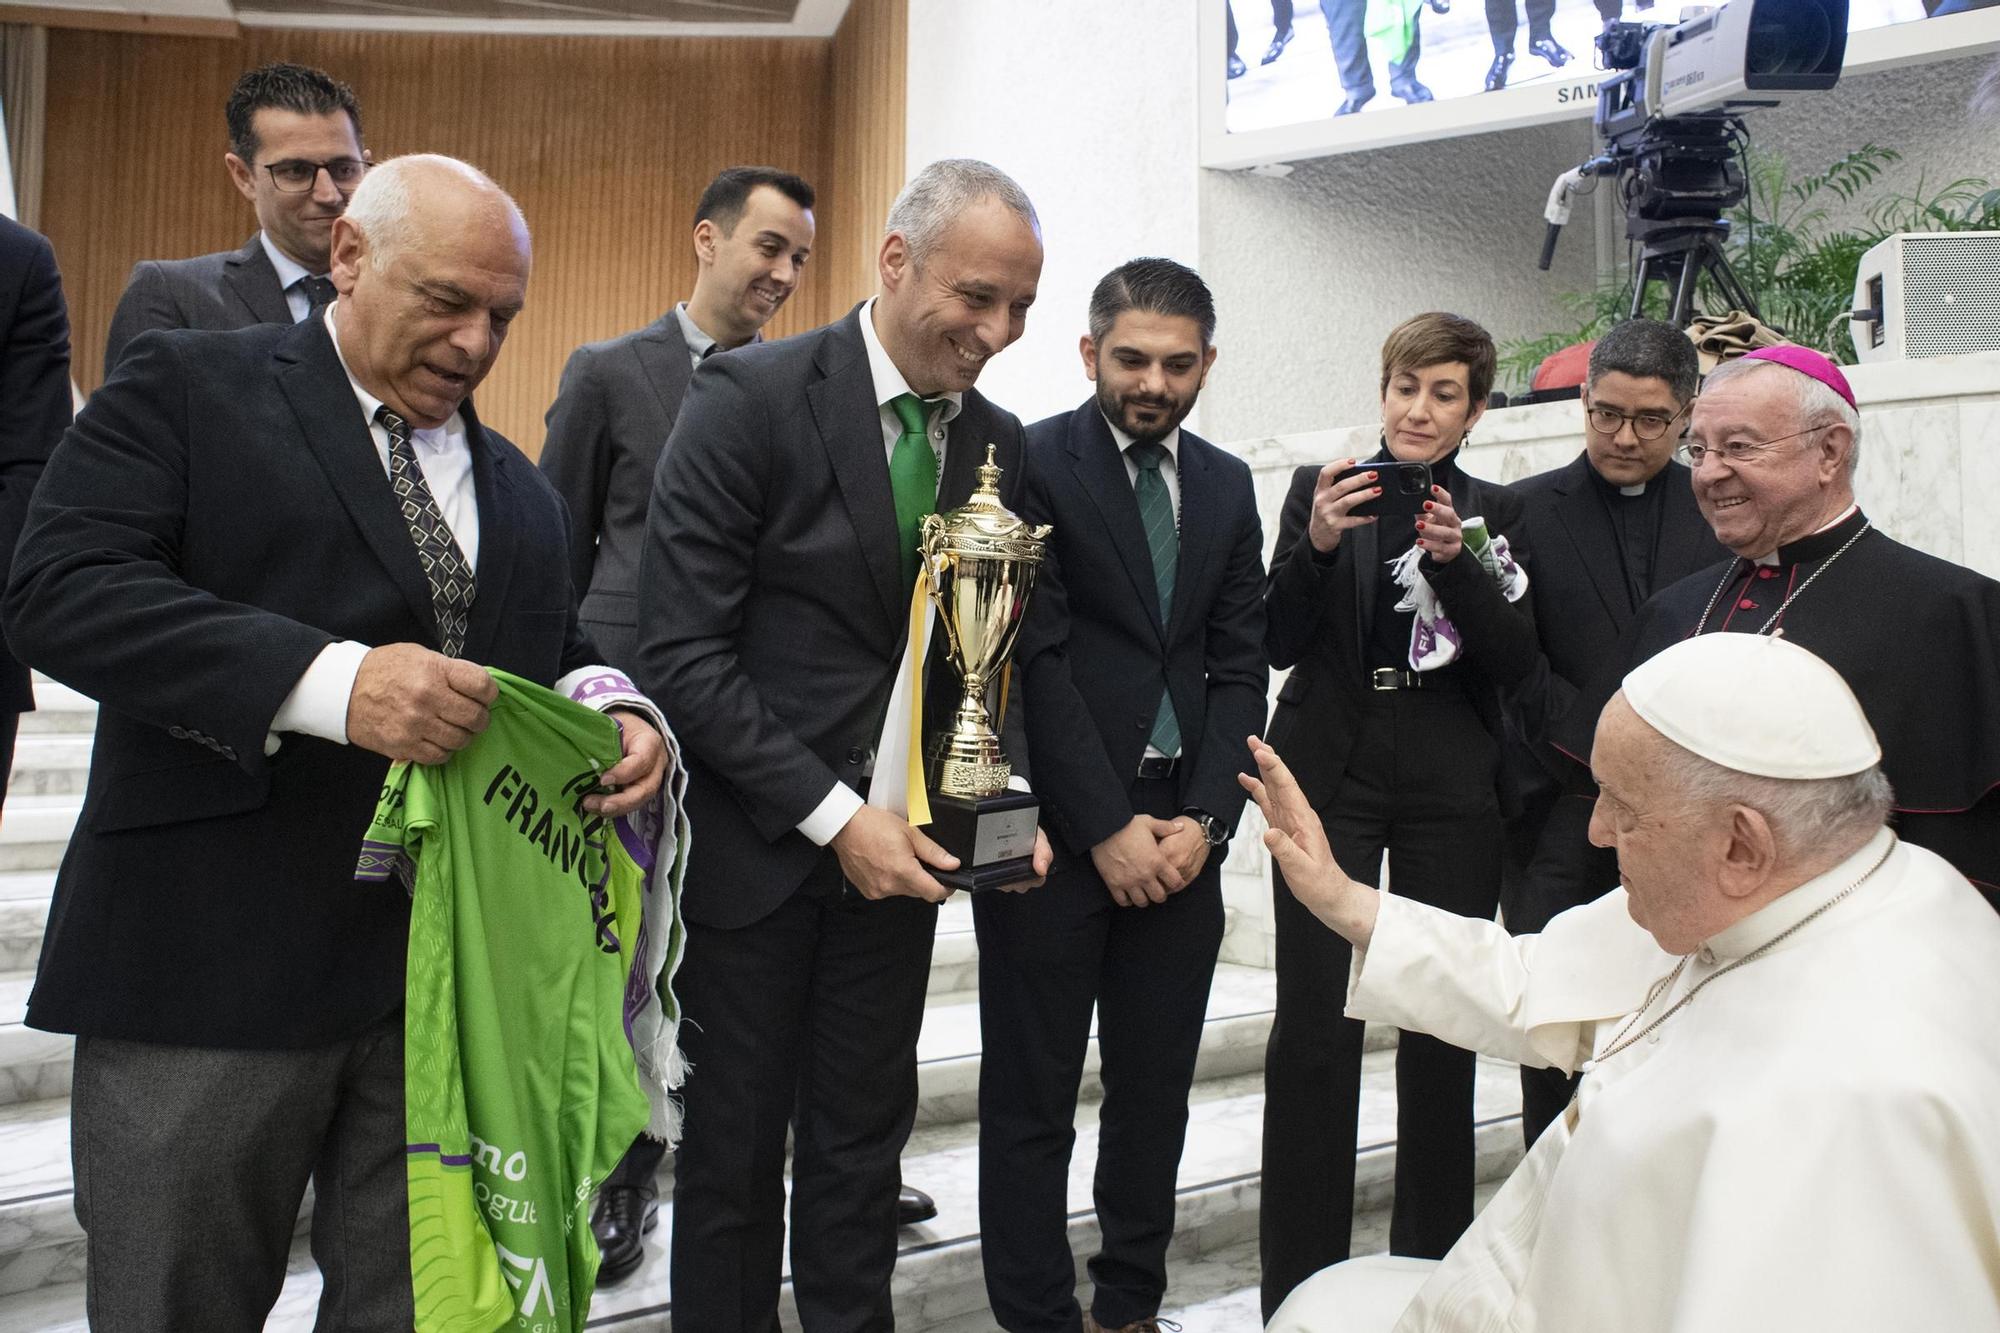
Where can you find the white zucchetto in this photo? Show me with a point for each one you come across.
(1756, 704)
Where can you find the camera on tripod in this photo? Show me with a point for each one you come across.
(1671, 120)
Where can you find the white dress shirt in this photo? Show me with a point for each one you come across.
(889, 787)
(317, 705)
(1170, 467)
(289, 273)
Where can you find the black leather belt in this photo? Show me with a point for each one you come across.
(1389, 678)
(1157, 766)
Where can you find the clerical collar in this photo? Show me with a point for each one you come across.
(1628, 492)
(1775, 918)
(1820, 544)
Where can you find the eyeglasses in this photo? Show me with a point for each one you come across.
(1737, 452)
(296, 175)
(1645, 425)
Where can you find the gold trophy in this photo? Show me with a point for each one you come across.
(982, 561)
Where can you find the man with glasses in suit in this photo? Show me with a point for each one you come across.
(295, 153)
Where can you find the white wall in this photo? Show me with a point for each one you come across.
(1090, 105)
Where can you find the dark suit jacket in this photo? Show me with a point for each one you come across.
(1094, 654)
(216, 517)
(1579, 596)
(231, 289)
(1318, 612)
(610, 420)
(771, 607)
(34, 400)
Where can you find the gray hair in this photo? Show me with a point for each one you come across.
(382, 206)
(1818, 405)
(935, 197)
(1808, 816)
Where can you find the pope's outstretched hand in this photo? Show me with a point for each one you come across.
(1297, 842)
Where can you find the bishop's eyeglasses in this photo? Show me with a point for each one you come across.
(297, 175)
(1738, 451)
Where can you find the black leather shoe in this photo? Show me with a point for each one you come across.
(1237, 69)
(623, 1216)
(1279, 41)
(1496, 73)
(1354, 102)
(1551, 50)
(1411, 91)
(914, 1206)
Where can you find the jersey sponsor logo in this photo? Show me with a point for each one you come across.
(528, 1275)
(563, 833)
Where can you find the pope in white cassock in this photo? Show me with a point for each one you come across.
(1789, 1117)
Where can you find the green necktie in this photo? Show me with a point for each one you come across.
(913, 471)
(1156, 514)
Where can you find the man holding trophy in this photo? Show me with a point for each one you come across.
(1141, 666)
(785, 608)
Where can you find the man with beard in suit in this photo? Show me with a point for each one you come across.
(1609, 529)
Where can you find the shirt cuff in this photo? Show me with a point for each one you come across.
(1015, 782)
(317, 705)
(830, 816)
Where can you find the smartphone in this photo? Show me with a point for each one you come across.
(1405, 487)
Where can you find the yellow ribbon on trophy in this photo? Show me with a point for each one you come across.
(917, 797)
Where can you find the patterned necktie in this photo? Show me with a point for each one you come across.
(913, 477)
(452, 587)
(1156, 514)
(319, 291)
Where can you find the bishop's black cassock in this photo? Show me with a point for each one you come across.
(1916, 638)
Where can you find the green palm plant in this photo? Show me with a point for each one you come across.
(1795, 246)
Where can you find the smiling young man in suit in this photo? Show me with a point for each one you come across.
(1141, 665)
(1609, 529)
(281, 557)
(295, 153)
(753, 232)
(774, 602)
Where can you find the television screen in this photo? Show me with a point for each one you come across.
(1291, 79)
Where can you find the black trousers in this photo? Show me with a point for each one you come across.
(1045, 957)
(807, 1018)
(1420, 786)
(1346, 27)
(1503, 20)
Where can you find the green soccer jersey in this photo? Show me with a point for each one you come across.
(521, 1087)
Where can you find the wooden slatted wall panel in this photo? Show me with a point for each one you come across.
(606, 142)
(869, 61)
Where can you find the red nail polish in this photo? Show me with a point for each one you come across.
(1378, 490)
(1374, 476)
(1428, 506)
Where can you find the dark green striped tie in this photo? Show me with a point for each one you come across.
(913, 472)
(1156, 514)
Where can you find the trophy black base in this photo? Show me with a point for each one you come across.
(993, 838)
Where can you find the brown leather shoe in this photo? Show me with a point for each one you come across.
(1153, 1325)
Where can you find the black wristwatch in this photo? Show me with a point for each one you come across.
(1211, 828)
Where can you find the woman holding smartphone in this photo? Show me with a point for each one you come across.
(1400, 631)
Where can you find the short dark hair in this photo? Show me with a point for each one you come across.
(1157, 286)
(1649, 349)
(1435, 338)
(300, 88)
(728, 194)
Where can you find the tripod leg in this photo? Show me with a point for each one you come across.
(1729, 284)
(1684, 289)
(1642, 277)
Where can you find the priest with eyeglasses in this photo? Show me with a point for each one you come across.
(1772, 446)
(1781, 1017)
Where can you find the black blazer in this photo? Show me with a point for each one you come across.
(217, 515)
(771, 607)
(610, 420)
(231, 289)
(1094, 654)
(34, 400)
(1319, 610)
(1580, 602)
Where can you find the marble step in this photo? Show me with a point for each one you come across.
(35, 828)
(50, 763)
(938, 1283)
(24, 914)
(58, 709)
